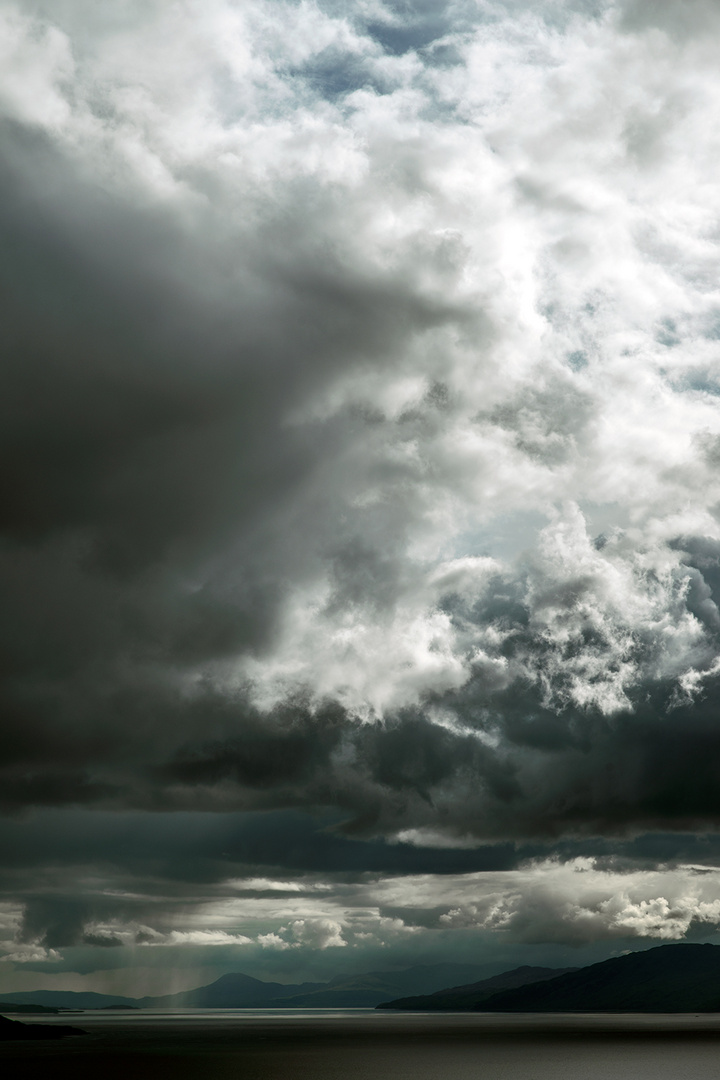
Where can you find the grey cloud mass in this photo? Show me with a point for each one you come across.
(359, 500)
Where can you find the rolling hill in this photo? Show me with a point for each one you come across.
(669, 978)
(467, 998)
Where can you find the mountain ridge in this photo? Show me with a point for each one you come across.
(465, 998)
(681, 977)
(237, 990)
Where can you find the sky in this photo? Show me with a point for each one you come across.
(360, 501)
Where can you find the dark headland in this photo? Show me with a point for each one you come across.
(679, 978)
(12, 1030)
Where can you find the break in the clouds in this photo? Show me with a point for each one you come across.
(360, 441)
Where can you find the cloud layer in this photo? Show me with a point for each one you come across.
(360, 422)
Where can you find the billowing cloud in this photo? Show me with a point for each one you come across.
(577, 903)
(542, 904)
(360, 436)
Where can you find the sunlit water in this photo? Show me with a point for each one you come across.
(360, 1044)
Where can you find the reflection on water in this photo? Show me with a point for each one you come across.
(360, 1044)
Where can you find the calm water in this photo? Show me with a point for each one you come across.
(365, 1045)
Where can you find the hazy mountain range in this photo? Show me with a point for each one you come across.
(470, 996)
(670, 978)
(242, 991)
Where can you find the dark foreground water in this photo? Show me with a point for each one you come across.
(365, 1045)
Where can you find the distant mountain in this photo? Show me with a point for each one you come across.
(670, 978)
(344, 991)
(68, 999)
(467, 998)
(12, 1007)
(369, 990)
(238, 991)
(234, 991)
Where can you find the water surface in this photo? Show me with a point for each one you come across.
(359, 1044)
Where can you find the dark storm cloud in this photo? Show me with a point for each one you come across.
(519, 765)
(143, 433)
(54, 923)
(74, 870)
(551, 776)
(143, 393)
(308, 505)
(209, 848)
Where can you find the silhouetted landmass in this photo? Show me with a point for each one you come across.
(466, 998)
(344, 991)
(14, 1029)
(239, 991)
(69, 999)
(670, 978)
(230, 991)
(12, 1007)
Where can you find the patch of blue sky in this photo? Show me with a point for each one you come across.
(401, 26)
(415, 26)
(701, 382)
(713, 331)
(505, 537)
(333, 74)
(667, 333)
(577, 360)
(697, 380)
(399, 39)
(511, 537)
(602, 519)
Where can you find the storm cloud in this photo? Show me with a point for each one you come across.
(360, 438)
